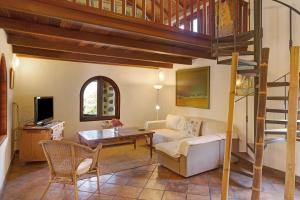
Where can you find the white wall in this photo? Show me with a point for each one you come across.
(5, 147)
(63, 81)
(276, 37)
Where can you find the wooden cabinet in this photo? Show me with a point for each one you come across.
(30, 149)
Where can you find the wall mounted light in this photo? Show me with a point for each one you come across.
(15, 62)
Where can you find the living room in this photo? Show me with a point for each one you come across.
(63, 80)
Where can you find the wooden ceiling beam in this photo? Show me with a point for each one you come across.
(23, 40)
(67, 34)
(69, 11)
(76, 57)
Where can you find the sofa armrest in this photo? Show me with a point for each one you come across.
(158, 124)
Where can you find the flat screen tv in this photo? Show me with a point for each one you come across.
(43, 110)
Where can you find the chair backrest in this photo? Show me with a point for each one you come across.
(64, 157)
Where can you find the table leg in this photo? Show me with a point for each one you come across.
(151, 144)
(134, 144)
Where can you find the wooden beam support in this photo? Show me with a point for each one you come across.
(59, 45)
(228, 141)
(289, 192)
(69, 11)
(66, 56)
(38, 29)
(260, 126)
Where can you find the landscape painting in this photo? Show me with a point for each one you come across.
(193, 87)
(245, 85)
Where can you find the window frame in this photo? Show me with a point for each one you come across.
(99, 116)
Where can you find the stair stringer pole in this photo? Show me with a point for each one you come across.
(260, 126)
(228, 141)
(289, 192)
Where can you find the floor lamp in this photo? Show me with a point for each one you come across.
(157, 106)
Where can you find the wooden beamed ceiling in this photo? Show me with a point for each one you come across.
(43, 29)
(77, 57)
(91, 49)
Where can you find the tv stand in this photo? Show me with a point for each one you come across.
(30, 149)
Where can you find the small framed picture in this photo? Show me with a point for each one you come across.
(11, 78)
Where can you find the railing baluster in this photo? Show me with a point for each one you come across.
(124, 2)
(198, 17)
(112, 8)
(162, 11)
(177, 13)
(87, 3)
(184, 15)
(245, 17)
(212, 18)
(144, 9)
(204, 17)
(100, 5)
(153, 10)
(170, 13)
(191, 15)
(134, 8)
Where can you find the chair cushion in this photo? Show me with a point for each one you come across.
(193, 126)
(167, 135)
(84, 166)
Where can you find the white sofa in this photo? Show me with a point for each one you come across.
(189, 154)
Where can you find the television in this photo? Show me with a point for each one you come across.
(43, 110)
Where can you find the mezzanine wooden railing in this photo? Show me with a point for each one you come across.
(198, 16)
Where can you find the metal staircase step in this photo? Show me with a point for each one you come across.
(278, 84)
(239, 38)
(241, 62)
(243, 156)
(279, 131)
(277, 98)
(248, 72)
(231, 45)
(240, 170)
(279, 121)
(274, 140)
(229, 53)
(278, 110)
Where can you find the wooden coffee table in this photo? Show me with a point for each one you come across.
(92, 138)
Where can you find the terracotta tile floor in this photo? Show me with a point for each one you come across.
(149, 182)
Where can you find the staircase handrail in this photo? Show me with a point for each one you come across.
(289, 6)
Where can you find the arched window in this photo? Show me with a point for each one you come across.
(99, 99)
(3, 98)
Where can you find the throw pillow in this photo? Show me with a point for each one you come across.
(193, 126)
(173, 121)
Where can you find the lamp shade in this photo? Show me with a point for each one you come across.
(157, 87)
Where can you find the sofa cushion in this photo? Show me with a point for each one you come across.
(175, 122)
(169, 148)
(210, 127)
(167, 135)
(193, 126)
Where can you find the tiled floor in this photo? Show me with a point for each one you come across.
(150, 182)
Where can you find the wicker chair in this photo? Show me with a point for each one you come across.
(69, 161)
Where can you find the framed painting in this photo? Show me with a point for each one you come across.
(244, 85)
(193, 87)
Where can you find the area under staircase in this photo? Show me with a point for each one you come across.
(273, 135)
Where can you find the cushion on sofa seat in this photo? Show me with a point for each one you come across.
(175, 122)
(211, 127)
(169, 148)
(167, 135)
